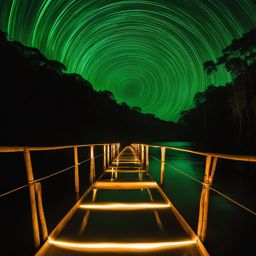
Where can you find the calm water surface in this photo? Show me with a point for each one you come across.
(230, 230)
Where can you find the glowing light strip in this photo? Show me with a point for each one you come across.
(124, 206)
(120, 246)
(126, 162)
(125, 185)
(125, 171)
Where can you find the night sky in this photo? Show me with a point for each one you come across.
(147, 53)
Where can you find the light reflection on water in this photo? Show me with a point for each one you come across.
(230, 230)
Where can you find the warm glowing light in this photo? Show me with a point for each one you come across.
(126, 162)
(154, 246)
(126, 171)
(125, 185)
(124, 206)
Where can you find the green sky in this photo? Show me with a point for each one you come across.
(147, 53)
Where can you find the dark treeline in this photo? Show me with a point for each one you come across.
(226, 115)
(41, 104)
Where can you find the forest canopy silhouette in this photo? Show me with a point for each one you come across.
(41, 104)
(228, 113)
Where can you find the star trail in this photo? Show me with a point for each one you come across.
(147, 53)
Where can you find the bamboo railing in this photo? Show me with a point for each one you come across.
(210, 167)
(110, 150)
(35, 191)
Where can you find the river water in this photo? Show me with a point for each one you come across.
(231, 230)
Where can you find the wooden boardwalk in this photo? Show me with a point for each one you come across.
(123, 212)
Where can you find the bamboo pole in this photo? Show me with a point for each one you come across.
(30, 177)
(210, 168)
(205, 214)
(76, 174)
(201, 211)
(41, 210)
(147, 159)
(142, 154)
(205, 199)
(118, 148)
(207, 168)
(215, 159)
(162, 165)
(92, 165)
(105, 158)
(108, 153)
(114, 151)
(138, 150)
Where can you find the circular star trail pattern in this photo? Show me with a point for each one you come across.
(147, 53)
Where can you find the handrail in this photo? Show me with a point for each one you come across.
(210, 166)
(9, 149)
(37, 213)
(248, 158)
(209, 187)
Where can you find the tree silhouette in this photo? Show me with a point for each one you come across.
(3, 37)
(42, 104)
(209, 67)
(237, 59)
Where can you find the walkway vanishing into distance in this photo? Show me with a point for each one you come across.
(124, 211)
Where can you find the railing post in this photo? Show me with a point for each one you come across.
(30, 177)
(113, 151)
(92, 165)
(41, 210)
(142, 154)
(147, 159)
(118, 148)
(105, 157)
(108, 153)
(138, 150)
(162, 165)
(214, 164)
(207, 168)
(76, 174)
(210, 167)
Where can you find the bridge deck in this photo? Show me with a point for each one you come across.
(125, 211)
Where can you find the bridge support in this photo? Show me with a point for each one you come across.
(138, 149)
(210, 168)
(76, 174)
(108, 154)
(41, 210)
(92, 165)
(117, 148)
(105, 157)
(112, 152)
(162, 165)
(31, 182)
(147, 159)
(142, 154)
